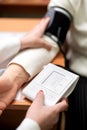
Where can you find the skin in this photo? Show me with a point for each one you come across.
(45, 116)
(15, 76)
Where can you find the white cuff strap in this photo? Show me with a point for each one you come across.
(33, 60)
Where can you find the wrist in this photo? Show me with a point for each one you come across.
(24, 42)
(15, 75)
(20, 75)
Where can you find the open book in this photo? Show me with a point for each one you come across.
(56, 82)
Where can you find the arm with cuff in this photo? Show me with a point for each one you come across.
(55, 34)
(59, 24)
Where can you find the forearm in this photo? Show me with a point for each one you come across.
(25, 42)
(13, 77)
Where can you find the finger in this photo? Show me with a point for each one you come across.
(61, 106)
(2, 107)
(45, 44)
(39, 100)
(42, 25)
(0, 112)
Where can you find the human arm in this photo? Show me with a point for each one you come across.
(9, 91)
(15, 76)
(65, 5)
(18, 77)
(42, 117)
(10, 46)
(34, 39)
(56, 28)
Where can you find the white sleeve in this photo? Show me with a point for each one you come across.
(28, 124)
(33, 60)
(70, 5)
(9, 47)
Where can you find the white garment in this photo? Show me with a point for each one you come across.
(9, 47)
(33, 60)
(28, 124)
(77, 37)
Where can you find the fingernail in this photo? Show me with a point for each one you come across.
(41, 91)
(44, 19)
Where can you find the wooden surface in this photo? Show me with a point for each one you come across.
(23, 8)
(18, 24)
(25, 2)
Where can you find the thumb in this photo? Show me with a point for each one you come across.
(39, 99)
(43, 24)
(62, 106)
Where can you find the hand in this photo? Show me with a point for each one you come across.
(45, 116)
(34, 39)
(6, 97)
(11, 80)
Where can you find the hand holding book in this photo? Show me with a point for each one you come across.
(55, 81)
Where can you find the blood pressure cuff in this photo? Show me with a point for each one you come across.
(58, 25)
